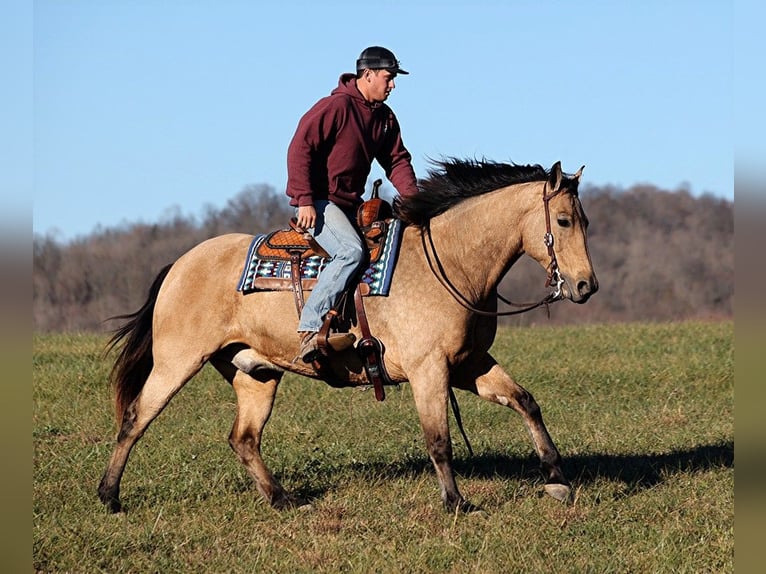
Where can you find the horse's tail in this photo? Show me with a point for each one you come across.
(134, 361)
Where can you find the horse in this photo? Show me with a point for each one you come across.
(470, 222)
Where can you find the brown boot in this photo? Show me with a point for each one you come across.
(340, 341)
(309, 346)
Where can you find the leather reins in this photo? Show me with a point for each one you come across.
(553, 278)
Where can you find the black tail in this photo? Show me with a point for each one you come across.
(134, 361)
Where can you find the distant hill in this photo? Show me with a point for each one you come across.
(658, 255)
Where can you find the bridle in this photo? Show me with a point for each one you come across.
(553, 278)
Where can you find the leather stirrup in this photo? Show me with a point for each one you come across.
(371, 351)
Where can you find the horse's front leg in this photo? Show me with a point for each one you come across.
(487, 379)
(430, 392)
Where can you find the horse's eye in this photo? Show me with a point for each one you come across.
(563, 221)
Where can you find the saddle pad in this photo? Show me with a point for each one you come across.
(377, 276)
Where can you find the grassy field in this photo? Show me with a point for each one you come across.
(642, 414)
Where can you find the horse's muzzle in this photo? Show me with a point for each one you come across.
(584, 288)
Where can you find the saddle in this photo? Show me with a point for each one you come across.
(295, 244)
(373, 218)
(281, 244)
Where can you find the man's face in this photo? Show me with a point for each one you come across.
(380, 84)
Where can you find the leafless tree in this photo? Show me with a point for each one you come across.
(659, 255)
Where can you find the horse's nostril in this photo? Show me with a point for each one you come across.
(583, 287)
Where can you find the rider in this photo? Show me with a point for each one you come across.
(328, 162)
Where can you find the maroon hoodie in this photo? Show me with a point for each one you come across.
(331, 153)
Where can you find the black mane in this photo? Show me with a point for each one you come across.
(452, 180)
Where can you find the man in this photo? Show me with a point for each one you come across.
(328, 162)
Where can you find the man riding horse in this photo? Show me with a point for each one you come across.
(328, 162)
(438, 318)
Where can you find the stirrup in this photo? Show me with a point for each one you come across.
(340, 341)
(311, 345)
(329, 341)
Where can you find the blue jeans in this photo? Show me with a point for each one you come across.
(338, 236)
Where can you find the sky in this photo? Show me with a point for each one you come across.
(144, 109)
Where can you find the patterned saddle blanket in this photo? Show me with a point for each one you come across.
(267, 265)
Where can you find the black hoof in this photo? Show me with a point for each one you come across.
(468, 508)
(109, 497)
(462, 506)
(113, 505)
(290, 502)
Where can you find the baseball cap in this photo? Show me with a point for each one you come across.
(378, 58)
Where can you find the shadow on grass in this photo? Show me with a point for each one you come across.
(641, 471)
(637, 471)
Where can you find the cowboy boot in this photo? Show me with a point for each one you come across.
(309, 344)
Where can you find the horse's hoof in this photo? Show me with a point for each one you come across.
(465, 507)
(113, 505)
(476, 511)
(560, 492)
(290, 502)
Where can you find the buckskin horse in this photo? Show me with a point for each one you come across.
(469, 224)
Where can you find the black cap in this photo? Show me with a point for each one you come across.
(378, 58)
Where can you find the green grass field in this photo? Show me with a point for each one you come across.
(642, 414)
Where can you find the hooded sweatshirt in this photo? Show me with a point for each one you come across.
(331, 153)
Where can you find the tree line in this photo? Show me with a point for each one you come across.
(659, 255)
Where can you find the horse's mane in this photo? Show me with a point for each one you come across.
(450, 181)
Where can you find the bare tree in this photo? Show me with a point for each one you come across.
(659, 255)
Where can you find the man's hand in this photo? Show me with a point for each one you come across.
(307, 217)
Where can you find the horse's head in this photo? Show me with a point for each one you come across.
(556, 236)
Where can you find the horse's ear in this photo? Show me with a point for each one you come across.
(554, 178)
(578, 174)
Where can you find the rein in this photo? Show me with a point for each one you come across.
(553, 278)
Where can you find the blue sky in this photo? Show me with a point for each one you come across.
(145, 107)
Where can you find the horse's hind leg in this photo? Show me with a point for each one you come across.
(488, 380)
(160, 387)
(255, 399)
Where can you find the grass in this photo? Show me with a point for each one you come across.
(642, 414)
